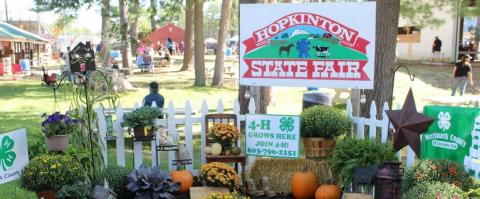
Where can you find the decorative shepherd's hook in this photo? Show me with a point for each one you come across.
(411, 75)
(83, 76)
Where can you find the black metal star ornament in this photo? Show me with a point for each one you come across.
(408, 124)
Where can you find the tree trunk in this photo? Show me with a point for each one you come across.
(153, 13)
(387, 15)
(105, 28)
(134, 26)
(199, 45)
(263, 95)
(126, 55)
(188, 47)
(222, 43)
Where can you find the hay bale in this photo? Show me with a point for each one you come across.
(279, 171)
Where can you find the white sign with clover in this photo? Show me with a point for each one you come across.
(13, 154)
(273, 135)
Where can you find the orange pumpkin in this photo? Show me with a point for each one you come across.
(185, 178)
(328, 191)
(304, 184)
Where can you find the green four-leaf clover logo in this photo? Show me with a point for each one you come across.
(286, 124)
(7, 156)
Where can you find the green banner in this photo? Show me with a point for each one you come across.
(455, 136)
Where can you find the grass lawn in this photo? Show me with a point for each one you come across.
(23, 102)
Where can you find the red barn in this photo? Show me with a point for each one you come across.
(161, 34)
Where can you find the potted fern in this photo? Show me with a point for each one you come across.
(320, 125)
(142, 121)
(56, 128)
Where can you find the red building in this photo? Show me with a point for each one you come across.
(160, 35)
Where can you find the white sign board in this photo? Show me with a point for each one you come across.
(328, 45)
(13, 154)
(273, 135)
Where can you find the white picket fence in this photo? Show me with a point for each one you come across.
(190, 118)
(373, 125)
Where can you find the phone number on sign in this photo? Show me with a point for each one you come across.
(271, 152)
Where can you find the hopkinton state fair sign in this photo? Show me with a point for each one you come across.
(311, 44)
(272, 135)
(13, 154)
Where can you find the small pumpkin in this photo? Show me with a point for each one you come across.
(208, 150)
(185, 178)
(216, 149)
(304, 184)
(328, 191)
(236, 150)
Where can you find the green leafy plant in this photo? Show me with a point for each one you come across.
(152, 183)
(350, 153)
(437, 171)
(142, 117)
(79, 190)
(434, 190)
(324, 121)
(51, 172)
(116, 177)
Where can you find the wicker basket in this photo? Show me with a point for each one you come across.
(318, 147)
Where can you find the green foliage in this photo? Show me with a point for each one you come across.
(141, 117)
(324, 121)
(116, 177)
(62, 6)
(51, 172)
(350, 153)
(434, 190)
(437, 171)
(79, 190)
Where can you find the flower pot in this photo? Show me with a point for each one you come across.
(57, 142)
(389, 181)
(318, 147)
(142, 134)
(46, 194)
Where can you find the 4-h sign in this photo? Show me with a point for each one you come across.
(455, 135)
(273, 135)
(13, 155)
(324, 45)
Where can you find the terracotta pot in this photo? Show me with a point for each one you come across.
(139, 134)
(57, 142)
(46, 194)
(318, 147)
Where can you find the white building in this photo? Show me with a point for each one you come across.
(415, 43)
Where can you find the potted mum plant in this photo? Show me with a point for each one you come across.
(225, 135)
(142, 121)
(320, 125)
(47, 174)
(56, 128)
(216, 174)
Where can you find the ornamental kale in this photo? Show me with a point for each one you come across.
(58, 124)
(152, 183)
(142, 117)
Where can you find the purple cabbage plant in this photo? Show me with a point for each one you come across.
(58, 124)
(152, 183)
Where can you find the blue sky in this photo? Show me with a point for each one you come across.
(20, 10)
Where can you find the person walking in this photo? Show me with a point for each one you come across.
(462, 73)
(437, 50)
(169, 43)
